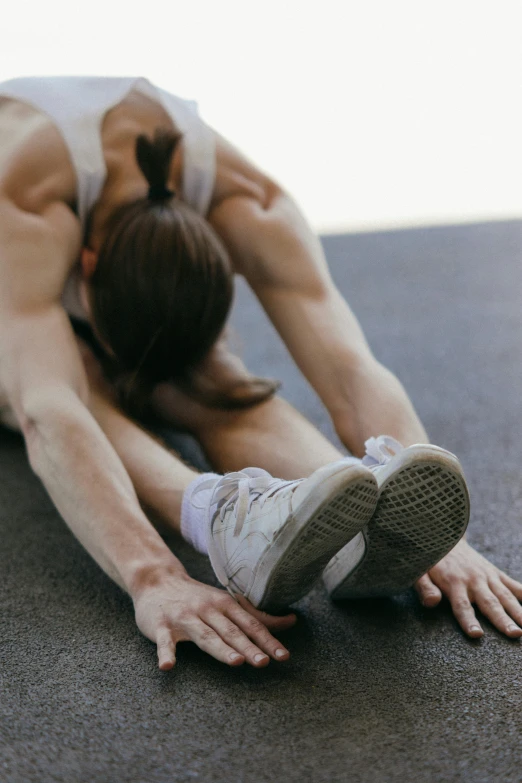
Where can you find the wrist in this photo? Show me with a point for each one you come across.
(146, 575)
(375, 403)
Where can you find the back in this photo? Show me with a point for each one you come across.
(78, 104)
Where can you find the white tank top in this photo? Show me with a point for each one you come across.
(78, 104)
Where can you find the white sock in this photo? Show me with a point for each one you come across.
(194, 518)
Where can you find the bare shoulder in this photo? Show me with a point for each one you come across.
(236, 175)
(35, 165)
(40, 235)
(241, 202)
(37, 252)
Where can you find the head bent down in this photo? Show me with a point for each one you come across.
(162, 286)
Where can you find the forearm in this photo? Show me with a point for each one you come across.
(91, 490)
(372, 402)
(328, 345)
(283, 261)
(159, 477)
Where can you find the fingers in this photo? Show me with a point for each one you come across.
(492, 608)
(245, 630)
(271, 621)
(429, 593)
(256, 630)
(495, 601)
(508, 601)
(218, 625)
(464, 613)
(512, 585)
(211, 642)
(166, 649)
(255, 652)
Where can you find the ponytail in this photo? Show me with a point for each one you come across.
(154, 159)
(162, 291)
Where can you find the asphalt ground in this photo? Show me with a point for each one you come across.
(380, 691)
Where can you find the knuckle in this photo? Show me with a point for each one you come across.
(263, 636)
(462, 604)
(185, 616)
(478, 585)
(207, 634)
(503, 593)
(254, 626)
(500, 589)
(453, 578)
(223, 600)
(226, 606)
(490, 602)
(232, 631)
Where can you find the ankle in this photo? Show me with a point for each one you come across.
(194, 512)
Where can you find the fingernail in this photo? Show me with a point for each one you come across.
(258, 658)
(235, 656)
(475, 628)
(280, 653)
(513, 628)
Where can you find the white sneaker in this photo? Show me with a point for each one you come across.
(422, 512)
(269, 539)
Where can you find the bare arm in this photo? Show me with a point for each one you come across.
(272, 245)
(274, 248)
(185, 605)
(42, 374)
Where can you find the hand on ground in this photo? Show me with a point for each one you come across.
(179, 609)
(465, 578)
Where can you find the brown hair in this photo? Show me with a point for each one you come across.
(162, 287)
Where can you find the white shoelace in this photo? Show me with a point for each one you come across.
(379, 451)
(240, 489)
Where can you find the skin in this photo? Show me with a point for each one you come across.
(101, 469)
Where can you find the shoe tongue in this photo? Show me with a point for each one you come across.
(379, 451)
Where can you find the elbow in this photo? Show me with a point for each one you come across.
(39, 405)
(49, 419)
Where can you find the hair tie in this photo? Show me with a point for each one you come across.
(161, 193)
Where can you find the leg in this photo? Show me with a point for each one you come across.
(272, 435)
(327, 510)
(171, 607)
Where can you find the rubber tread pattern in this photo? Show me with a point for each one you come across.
(421, 514)
(334, 524)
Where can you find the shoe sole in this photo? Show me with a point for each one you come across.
(421, 514)
(334, 514)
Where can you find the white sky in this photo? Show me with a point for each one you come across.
(372, 113)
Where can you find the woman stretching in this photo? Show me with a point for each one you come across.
(120, 208)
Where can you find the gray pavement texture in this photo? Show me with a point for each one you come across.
(377, 691)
